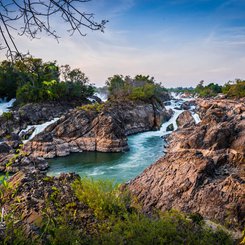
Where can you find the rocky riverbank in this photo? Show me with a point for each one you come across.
(17, 119)
(203, 170)
(104, 129)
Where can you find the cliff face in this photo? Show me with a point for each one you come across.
(104, 131)
(204, 168)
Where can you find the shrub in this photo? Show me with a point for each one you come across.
(116, 217)
(7, 115)
(235, 89)
(92, 107)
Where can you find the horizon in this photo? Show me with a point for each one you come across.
(179, 43)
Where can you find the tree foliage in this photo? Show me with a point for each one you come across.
(31, 80)
(210, 90)
(235, 89)
(31, 18)
(138, 88)
(231, 89)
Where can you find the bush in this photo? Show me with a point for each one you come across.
(235, 89)
(115, 217)
(121, 220)
(7, 115)
(92, 107)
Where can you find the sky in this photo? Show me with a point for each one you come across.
(179, 42)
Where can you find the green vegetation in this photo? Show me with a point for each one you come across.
(7, 115)
(232, 89)
(102, 213)
(208, 91)
(32, 80)
(139, 88)
(92, 107)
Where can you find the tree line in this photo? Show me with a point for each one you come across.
(232, 89)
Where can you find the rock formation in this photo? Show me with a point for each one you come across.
(91, 130)
(203, 171)
(31, 114)
(185, 120)
(41, 195)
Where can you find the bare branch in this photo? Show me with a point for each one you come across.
(33, 17)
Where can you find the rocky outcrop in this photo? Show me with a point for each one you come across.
(203, 171)
(104, 131)
(31, 114)
(185, 120)
(12, 163)
(33, 197)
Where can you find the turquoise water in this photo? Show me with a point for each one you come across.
(120, 167)
(145, 149)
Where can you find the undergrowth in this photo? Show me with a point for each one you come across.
(115, 217)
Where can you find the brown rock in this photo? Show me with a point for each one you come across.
(204, 169)
(104, 131)
(185, 119)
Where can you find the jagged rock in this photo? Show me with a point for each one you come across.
(185, 119)
(187, 105)
(104, 131)
(31, 114)
(38, 193)
(13, 163)
(170, 127)
(203, 170)
(167, 103)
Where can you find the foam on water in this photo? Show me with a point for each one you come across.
(4, 106)
(38, 128)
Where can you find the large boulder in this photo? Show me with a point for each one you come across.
(185, 119)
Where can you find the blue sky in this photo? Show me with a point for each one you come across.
(179, 42)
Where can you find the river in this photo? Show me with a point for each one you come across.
(145, 149)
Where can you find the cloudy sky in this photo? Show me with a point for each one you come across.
(179, 42)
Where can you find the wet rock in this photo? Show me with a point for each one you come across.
(167, 103)
(25, 135)
(33, 113)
